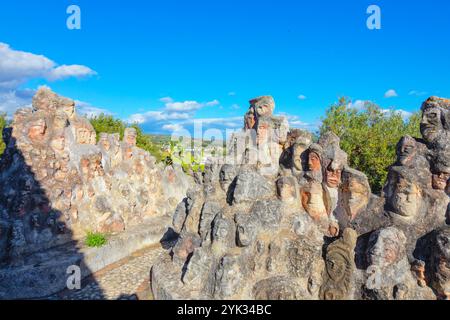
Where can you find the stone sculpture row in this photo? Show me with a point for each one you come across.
(283, 217)
(57, 182)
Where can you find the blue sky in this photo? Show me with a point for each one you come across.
(167, 62)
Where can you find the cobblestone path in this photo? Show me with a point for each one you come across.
(127, 279)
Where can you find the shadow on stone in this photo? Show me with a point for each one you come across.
(169, 239)
(39, 256)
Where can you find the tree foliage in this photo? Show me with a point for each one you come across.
(3, 124)
(369, 136)
(104, 123)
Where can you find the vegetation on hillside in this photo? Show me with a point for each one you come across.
(108, 124)
(161, 147)
(369, 136)
(3, 124)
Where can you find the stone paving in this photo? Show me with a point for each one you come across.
(127, 279)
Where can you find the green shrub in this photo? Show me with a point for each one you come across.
(108, 124)
(3, 124)
(104, 123)
(96, 240)
(369, 136)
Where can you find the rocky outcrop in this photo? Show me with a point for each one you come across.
(57, 182)
(282, 217)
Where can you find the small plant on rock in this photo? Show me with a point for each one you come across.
(96, 240)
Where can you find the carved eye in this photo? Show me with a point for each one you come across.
(432, 115)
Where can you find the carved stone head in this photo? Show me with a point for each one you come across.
(221, 229)
(263, 106)
(37, 130)
(130, 136)
(127, 153)
(333, 175)
(406, 194)
(440, 180)
(355, 192)
(440, 263)
(441, 167)
(84, 166)
(67, 106)
(314, 158)
(334, 159)
(44, 99)
(61, 120)
(250, 119)
(83, 131)
(300, 145)
(435, 118)
(228, 277)
(297, 151)
(104, 141)
(406, 150)
(386, 247)
(276, 288)
(83, 135)
(263, 131)
(286, 189)
(226, 176)
(246, 230)
(58, 142)
(339, 263)
(313, 200)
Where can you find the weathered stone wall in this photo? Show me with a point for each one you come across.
(57, 182)
(284, 218)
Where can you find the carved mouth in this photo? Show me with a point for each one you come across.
(428, 128)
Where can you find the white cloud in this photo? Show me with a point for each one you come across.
(84, 108)
(235, 107)
(390, 94)
(358, 104)
(176, 113)
(405, 114)
(75, 71)
(212, 103)
(148, 116)
(166, 99)
(11, 100)
(232, 93)
(228, 122)
(18, 67)
(302, 97)
(173, 127)
(188, 106)
(296, 123)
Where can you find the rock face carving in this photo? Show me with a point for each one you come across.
(312, 229)
(57, 182)
(389, 267)
(435, 124)
(340, 266)
(440, 263)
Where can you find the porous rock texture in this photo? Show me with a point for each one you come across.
(282, 217)
(57, 182)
